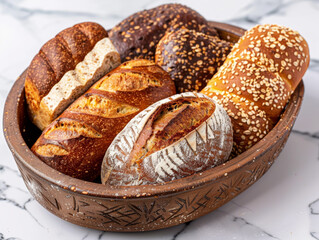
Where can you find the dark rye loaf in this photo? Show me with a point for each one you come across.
(138, 35)
(191, 58)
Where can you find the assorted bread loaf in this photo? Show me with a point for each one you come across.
(191, 58)
(76, 141)
(138, 35)
(256, 80)
(65, 67)
(178, 135)
(171, 139)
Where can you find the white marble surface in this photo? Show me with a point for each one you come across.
(284, 204)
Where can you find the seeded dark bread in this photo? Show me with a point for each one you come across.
(76, 141)
(256, 80)
(65, 67)
(191, 58)
(138, 35)
(174, 138)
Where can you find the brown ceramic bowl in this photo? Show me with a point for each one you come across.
(140, 208)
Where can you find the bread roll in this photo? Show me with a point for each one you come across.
(138, 35)
(76, 141)
(256, 80)
(65, 67)
(191, 58)
(174, 138)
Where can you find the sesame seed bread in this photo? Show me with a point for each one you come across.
(65, 67)
(257, 79)
(191, 58)
(173, 138)
(76, 141)
(138, 35)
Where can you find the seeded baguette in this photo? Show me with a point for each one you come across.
(138, 35)
(76, 141)
(257, 79)
(65, 67)
(191, 58)
(173, 138)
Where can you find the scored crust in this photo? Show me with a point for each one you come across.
(76, 141)
(65, 67)
(102, 59)
(207, 145)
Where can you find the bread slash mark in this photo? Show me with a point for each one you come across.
(102, 107)
(51, 150)
(65, 129)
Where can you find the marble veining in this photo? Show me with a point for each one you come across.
(283, 204)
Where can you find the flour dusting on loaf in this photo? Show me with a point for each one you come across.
(202, 146)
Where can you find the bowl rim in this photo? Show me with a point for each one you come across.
(23, 154)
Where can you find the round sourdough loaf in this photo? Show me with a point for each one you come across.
(173, 138)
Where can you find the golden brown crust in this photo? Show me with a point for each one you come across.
(85, 129)
(191, 58)
(138, 35)
(256, 80)
(56, 57)
(93, 31)
(169, 123)
(257, 85)
(61, 54)
(280, 49)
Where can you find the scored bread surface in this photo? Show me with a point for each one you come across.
(102, 59)
(65, 67)
(76, 141)
(204, 147)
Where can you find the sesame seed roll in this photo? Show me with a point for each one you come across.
(257, 79)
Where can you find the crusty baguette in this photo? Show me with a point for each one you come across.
(65, 67)
(173, 138)
(76, 141)
(138, 35)
(191, 58)
(257, 79)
